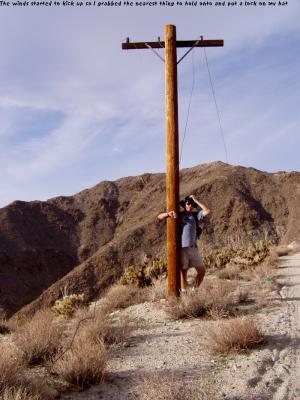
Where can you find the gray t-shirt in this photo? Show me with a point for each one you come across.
(188, 227)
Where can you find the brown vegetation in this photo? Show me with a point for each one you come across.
(158, 387)
(21, 393)
(232, 336)
(212, 298)
(83, 365)
(98, 326)
(229, 272)
(157, 290)
(12, 367)
(39, 338)
(122, 296)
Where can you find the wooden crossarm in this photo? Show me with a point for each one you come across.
(179, 43)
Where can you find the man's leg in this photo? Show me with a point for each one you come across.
(184, 279)
(184, 267)
(200, 275)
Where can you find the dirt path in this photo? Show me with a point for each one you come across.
(272, 372)
(161, 346)
(289, 278)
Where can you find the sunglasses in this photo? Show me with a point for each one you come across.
(188, 202)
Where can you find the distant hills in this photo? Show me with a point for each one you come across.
(82, 243)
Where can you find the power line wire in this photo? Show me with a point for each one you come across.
(216, 104)
(189, 109)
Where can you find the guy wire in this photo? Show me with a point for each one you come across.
(216, 104)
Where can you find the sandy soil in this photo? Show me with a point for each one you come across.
(171, 348)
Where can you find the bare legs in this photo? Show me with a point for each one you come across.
(200, 275)
(198, 279)
(184, 278)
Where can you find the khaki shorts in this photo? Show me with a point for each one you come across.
(190, 258)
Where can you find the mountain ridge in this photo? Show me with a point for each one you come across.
(84, 242)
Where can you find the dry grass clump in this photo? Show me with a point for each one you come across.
(97, 326)
(232, 336)
(66, 306)
(122, 296)
(21, 393)
(83, 365)
(12, 367)
(215, 298)
(157, 387)
(15, 382)
(39, 338)
(264, 274)
(261, 298)
(158, 290)
(229, 272)
(243, 294)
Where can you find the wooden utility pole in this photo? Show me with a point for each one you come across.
(172, 177)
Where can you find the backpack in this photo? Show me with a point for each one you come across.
(199, 228)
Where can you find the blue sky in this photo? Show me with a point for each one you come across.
(75, 109)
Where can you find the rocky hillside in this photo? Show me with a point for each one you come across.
(83, 242)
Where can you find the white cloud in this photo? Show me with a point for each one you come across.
(110, 103)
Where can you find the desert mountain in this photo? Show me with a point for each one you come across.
(84, 242)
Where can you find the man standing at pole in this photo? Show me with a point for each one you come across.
(172, 174)
(191, 223)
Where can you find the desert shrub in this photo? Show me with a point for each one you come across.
(212, 298)
(155, 268)
(38, 385)
(232, 336)
(218, 258)
(264, 274)
(158, 290)
(21, 393)
(66, 306)
(83, 365)
(12, 367)
(158, 387)
(142, 275)
(99, 327)
(39, 338)
(229, 272)
(256, 252)
(122, 296)
(135, 275)
(243, 294)
(244, 256)
(261, 298)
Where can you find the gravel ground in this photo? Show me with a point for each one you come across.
(166, 348)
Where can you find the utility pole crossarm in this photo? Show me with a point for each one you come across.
(179, 43)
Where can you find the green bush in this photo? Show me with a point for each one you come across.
(66, 306)
(143, 275)
(251, 255)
